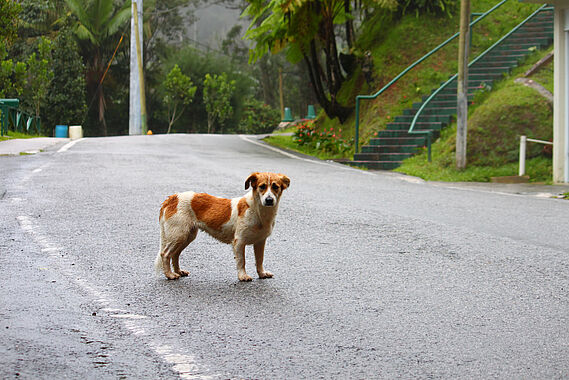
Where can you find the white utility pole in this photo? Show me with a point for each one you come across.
(135, 110)
(462, 91)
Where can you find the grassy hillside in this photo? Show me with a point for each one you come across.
(495, 124)
(395, 44)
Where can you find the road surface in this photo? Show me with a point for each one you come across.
(376, 275)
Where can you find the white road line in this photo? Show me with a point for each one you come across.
(138, 325)
(68, 145)
(337, 166)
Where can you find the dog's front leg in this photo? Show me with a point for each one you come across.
(259, 256)
(239, 251)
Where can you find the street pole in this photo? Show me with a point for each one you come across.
(138, 26)
(136, 90)
(462, 92)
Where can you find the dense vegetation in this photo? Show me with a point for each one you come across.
(395, 40)
(69, 61)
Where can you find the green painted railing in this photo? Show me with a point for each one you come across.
(11, 115)
(435, 93)
(360, 97)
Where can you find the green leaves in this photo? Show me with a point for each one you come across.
(180, 90)
(40, 73)
(179, 87)
(217, 93)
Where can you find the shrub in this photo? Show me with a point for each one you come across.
(258, 118)
(327, 140)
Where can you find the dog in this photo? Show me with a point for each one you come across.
(238, 221)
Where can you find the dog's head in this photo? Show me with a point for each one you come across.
(267, 186)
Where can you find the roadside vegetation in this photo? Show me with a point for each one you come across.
(496, 120)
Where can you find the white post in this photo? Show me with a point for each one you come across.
(566, 84)
(523, 142)
(135, 121)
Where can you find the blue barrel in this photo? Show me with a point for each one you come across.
(61, 131)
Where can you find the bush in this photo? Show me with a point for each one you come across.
(327, 140)
(435, 7)
(258, 118)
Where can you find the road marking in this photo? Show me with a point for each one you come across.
(69, 145)
(138, 325)
(313, 161)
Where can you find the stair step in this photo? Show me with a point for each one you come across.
(418, 141)
(403, 132)
(432, 111)
(395, 143)
(376, 165)
(443, 119)
(496, 69)
(390, 149)
(382, 156)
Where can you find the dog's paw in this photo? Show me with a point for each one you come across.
(265, 274)
(172, 276)
(245, 277)
(183, 273)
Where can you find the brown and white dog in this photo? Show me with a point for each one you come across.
(238, 221)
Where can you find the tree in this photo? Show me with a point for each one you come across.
(217, 94)
(9, 12)
(306, 29)
(40, 74)
(12, 75)
(97, 28)
(66, 96)
(180, 91)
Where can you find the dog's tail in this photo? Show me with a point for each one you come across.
(158, 266)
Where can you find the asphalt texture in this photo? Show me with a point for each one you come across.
(376, 275)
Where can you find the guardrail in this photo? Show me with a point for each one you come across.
(19, 120)
(523, 143)
(435, 93)
(358, 97)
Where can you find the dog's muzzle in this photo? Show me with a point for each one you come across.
(269, 201)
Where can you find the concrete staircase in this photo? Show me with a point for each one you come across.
(394, 144)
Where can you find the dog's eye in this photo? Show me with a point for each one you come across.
(275, 187)
(263, 186)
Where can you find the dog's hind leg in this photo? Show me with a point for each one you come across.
(176, 255)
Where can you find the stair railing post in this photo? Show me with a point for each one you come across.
(357, 136)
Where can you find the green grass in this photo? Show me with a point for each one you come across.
(287, 142)
(495, 121)
(17, 135)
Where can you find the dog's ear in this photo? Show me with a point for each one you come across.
(285, 181)
(251, 181)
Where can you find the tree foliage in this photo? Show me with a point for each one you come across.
(9, 13)
(66, 101)
(217, 93)
(97, 27)
(180, 91)
(40, 74)
(12, 75)
(307, 31)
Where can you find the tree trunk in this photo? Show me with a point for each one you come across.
(329, 103)
(349, 26)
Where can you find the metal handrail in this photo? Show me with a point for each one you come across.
(358, 97)
(435, 93)
(17, 116)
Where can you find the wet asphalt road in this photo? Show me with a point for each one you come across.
(375, 276)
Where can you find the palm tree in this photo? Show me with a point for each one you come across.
(97, 28)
